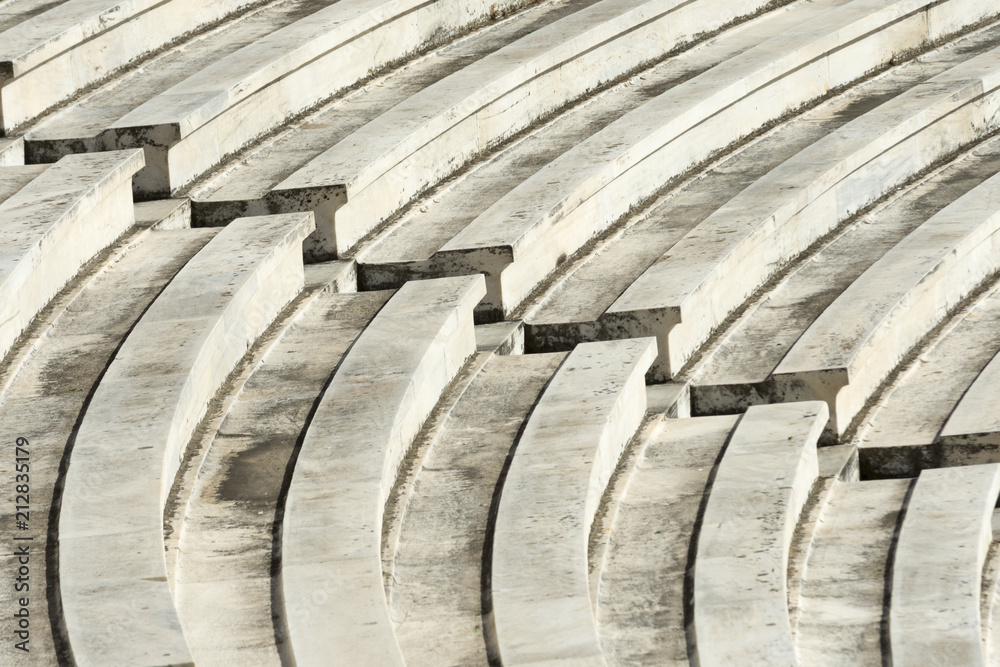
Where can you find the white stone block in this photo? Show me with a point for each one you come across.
(116, 599)
(542, 609)
(385, 388)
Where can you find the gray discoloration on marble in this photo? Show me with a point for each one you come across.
(435, 589)
(117, 603)
(841, 598)
(54, 224)
(640, 606)
(542, 610)
(223, 583)
(331, 572)
(934, 616)
(740, 584)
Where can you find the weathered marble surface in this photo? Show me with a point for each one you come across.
(934, 613)
(390, 380)
(191, 127)
(740, 570)
(52, 56)
(117, 602)
(52, 225)
(542, 611)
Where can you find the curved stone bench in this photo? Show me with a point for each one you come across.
(116, 600)
(934, 612)
(51, 56)
(714, 268)
(193, 126)
(542, 608)
(740, 570)
(54, 224)
(862, 336)
(525, 235)
(364, 179)
(387, 385)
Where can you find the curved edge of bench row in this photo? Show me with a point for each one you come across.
(864, 334)
(740, 569)
(332, 591)
(60, 52)
(52, 225)
(542, 611)
(934, 611)
(44, 36)
(381, 167)
(117, 603)
(524, 236)
(197, 123)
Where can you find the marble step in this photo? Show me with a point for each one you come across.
(136, 430)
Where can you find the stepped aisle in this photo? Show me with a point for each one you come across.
(842, 597)
(527, 332)
(539, 586)
(937, 569)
